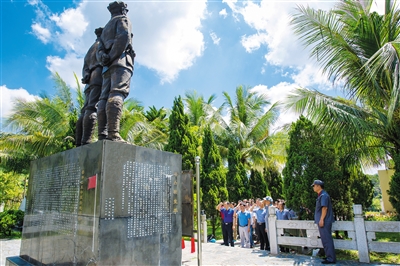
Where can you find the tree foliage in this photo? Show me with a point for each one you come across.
(309, 158)
(12, 187)
(213, 177)
(236, 178)
(394, 186)
(362, 190)
(44, 126)
(359, 49)
(138, 129)
(274, 182)
(258, 186)
(181, 139)
(249, 126)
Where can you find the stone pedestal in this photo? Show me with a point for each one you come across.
(105, 203)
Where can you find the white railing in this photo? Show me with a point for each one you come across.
(361, 234)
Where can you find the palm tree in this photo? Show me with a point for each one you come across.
(44, 126)
(138, 129)
(201, 112)
(249, 126)
(359, 49)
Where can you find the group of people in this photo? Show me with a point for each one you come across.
(248, 216)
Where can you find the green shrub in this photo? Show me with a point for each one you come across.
(378, 217)
(9, 220)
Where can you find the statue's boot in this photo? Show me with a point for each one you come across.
(114, 112)
(102, 119)
(89, 123)
(78, 130)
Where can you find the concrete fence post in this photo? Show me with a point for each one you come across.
(204, 227)
(361, 234)
(273, 238)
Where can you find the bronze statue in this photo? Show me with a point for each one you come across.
(92, 77)
(116, 55)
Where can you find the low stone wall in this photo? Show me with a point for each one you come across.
(361, 234)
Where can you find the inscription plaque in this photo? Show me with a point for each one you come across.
(147, 188)
(57, 198)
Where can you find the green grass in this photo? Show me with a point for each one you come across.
(218, 231)
(375, 257)
(387, 237)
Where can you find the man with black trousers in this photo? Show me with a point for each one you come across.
(228, 226)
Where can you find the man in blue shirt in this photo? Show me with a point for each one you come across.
(283, 214)
(228, 227)
(323, 217)
(244, 225)
(260, 225)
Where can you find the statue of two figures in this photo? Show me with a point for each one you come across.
(107, 71)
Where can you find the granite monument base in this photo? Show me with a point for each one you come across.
(106, 203)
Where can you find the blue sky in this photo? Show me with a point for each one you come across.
(181, 46)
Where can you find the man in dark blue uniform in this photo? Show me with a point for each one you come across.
(323, 217)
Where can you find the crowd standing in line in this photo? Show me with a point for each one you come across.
(250, 219)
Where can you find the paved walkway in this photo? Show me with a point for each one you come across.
(213, 254)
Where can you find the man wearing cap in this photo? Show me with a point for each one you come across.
(323, 217)
(116, 55)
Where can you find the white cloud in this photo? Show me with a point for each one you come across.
(41, 33)
(167, 36)
(223, 13)
(270, 21)
(8, 97)
(253, 42)
(66, 67)
(215, 38)
(311, 75)
(278, 93)
(71, 25)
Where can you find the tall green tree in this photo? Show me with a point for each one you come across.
(274, 182)
(362, 190)
(213, 178)
(236, 178)
(258, 186)
(358, 49)
(309, 158)
(181, 138)
(249, 126)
